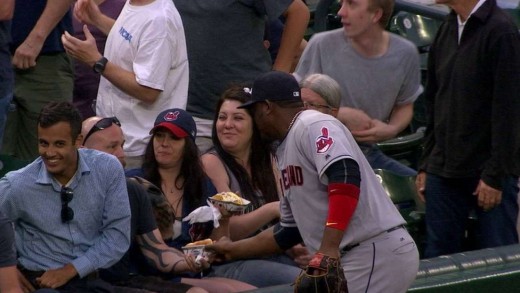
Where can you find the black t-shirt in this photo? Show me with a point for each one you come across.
(7, 251)
(142, 222)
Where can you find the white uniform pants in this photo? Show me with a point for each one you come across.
(385, 263)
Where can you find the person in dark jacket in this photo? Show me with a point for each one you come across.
(471, 158)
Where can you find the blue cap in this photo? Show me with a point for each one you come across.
(274, 86)
(177, 121)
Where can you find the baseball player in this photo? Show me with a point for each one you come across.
(332, 200)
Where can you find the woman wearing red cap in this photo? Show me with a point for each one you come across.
(172, 163)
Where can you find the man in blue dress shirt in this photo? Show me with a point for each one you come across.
(69, 207)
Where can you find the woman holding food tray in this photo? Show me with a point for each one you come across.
(240, 162)
(172, 163)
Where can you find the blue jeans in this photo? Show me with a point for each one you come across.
(449, 202)
(257, 272)
(378, 160)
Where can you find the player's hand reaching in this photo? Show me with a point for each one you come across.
(323, 274)
(223, 249)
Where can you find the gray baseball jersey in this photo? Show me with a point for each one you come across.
(313, 143)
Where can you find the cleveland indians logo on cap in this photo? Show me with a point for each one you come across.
(324, 141)
(170, 116)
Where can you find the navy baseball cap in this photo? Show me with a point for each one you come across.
(177, 121)
(274, 86)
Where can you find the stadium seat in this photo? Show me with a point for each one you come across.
(406, 149)
(402, 192)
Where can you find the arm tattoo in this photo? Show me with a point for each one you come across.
(175, 264)
(158, 254)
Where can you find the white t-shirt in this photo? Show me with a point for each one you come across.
(149, 41)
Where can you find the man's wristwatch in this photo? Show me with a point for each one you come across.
(99, 66)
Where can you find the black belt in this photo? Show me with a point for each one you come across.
(32, 275)
(395, 228)
(351, 246)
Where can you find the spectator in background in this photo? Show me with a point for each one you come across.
(378, 72)
(145, 67)
(472, 141)
(241, 162)
(69, 208)
(321, 93)
(6, 69)
(273, 35)
(43, 72)
(86, 81)
(224, 40)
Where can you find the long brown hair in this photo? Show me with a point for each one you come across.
(191, 171)
(262, 176)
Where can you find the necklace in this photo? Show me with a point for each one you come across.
(293, 120)
(173, 201)
(291, 124)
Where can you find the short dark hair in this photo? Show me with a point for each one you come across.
(55, 112)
